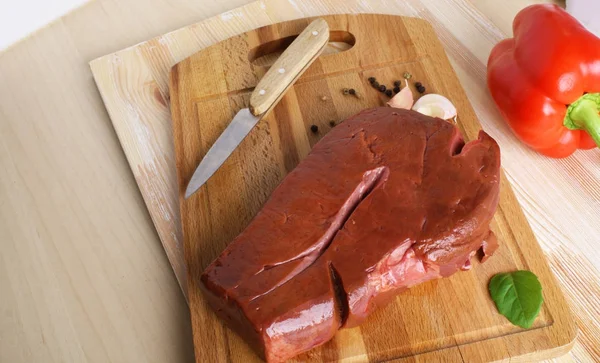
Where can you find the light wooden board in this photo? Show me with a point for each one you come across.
(208, 88)
(554, 194)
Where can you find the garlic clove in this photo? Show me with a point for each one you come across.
(425, 110)
(433, 110)
(403, 99)
(436, 106)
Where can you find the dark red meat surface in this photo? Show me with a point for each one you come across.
(386, 200)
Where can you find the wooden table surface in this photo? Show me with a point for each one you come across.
(83, 276)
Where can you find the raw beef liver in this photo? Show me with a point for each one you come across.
(385, 201)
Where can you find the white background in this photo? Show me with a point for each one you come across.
(18, 18)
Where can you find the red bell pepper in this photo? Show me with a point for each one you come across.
(546, 81)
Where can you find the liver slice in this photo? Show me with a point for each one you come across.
(386, 200)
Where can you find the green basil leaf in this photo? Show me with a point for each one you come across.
(518, 296)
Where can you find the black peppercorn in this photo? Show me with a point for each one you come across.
(372, 79)
(352, 91)
(418, 84)
(421, 89)
(388, 93)
(382, 88)
(375, 84)
(397, 83)
(396, 89)
(332, 123)
(314, 128)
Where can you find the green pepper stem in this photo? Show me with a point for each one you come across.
(585, 114)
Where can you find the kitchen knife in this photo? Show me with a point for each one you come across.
(296, 58)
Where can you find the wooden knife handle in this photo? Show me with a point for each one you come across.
(296, 58)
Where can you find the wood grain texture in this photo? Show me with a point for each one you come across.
(83, 275)
(434, 317)
(467, 37)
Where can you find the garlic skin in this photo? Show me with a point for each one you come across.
(403, 99)
(432, 104)
(435, 105)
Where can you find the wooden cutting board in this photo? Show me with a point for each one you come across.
(450, 319)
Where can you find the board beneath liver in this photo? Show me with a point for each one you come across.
(431, 317)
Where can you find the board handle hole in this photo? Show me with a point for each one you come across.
(266, 54)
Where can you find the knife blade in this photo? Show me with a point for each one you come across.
(296, 58)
